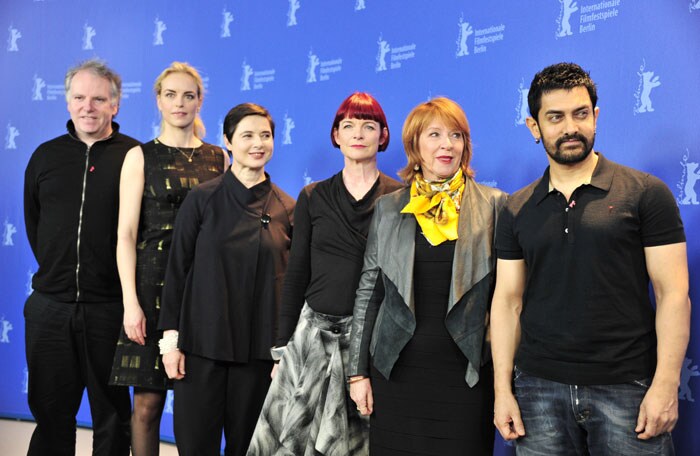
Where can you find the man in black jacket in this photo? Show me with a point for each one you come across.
(73, 318)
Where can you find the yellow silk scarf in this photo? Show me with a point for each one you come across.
(436, 206)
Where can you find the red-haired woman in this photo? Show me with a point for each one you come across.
(305, 412)
(419, 358)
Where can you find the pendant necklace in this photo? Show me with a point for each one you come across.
(170, 148)
(188, 157)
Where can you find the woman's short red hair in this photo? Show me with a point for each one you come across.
(361, 105)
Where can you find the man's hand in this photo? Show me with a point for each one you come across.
(506, 417)
(658, 412)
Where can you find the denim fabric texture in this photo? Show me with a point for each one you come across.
(598, 420)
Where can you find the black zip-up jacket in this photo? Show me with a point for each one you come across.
(71, 209)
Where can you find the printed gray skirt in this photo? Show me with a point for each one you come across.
(308, 410)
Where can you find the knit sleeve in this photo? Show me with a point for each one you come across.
(298, 272)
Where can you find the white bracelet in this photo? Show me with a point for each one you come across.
(168, 343)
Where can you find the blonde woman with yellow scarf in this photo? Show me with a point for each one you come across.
(419, 360)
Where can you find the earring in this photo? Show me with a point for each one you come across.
(537, 140)
(416, 167)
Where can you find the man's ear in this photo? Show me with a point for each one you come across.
(534, 128)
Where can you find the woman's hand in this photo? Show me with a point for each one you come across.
(134, 322)
(174, 359)
(361, 394)
(274, 370)
(174, 363)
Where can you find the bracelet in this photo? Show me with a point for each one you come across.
(168, 343)
(352, 380)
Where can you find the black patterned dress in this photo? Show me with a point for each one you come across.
(169, 174)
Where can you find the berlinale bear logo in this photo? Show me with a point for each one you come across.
(88, 33)
(226, 19)
(689, 177)
(158, 32)
(4, 330)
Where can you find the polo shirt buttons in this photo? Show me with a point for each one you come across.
(566, 230)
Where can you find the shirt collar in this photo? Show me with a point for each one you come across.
(70, 126)
(601, 178)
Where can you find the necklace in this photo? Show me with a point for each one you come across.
(170, 149)
(188, 157)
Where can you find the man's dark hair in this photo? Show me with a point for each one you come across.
(558, 76)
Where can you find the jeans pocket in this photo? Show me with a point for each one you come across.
(517, 373)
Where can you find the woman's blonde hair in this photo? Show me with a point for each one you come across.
(445, 110)
(186, 68)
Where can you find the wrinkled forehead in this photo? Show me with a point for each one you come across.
(567, 98)
(86, 82)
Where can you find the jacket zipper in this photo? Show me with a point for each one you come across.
(80, 225)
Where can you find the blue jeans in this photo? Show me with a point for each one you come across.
(565, 420)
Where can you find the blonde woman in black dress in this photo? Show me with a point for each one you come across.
(155, 179)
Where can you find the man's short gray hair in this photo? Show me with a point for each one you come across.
(98, 68)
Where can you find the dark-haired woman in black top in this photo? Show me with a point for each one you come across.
(228, 256)
(306, 410)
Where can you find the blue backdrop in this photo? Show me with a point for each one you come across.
(300, 58)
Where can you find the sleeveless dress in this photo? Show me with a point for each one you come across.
(426, 407)
(169, 174)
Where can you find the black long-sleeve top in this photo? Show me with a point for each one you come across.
(71, 207)
(227, 260)
(330, 233)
